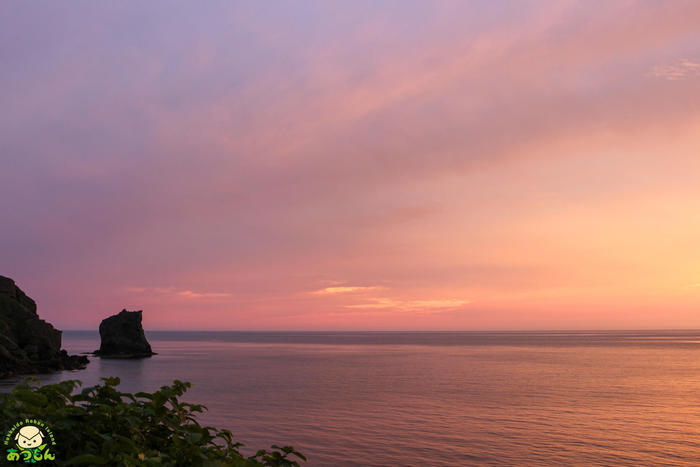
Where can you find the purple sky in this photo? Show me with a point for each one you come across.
(353, 165)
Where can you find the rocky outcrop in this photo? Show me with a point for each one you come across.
(122, 336)
(9, 289)
(29, 344)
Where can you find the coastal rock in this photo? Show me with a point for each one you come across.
(122, 336)
(29, 344)
(9, 289)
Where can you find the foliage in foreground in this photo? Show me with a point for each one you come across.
(101, 425)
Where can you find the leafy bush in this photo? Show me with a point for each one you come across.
(101, 425)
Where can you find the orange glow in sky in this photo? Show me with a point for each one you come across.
(401, 165)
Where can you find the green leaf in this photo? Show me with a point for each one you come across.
(102, 426)
(34, 398)
(111, 381)
(86, 459)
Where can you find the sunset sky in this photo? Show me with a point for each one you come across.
(353, 165)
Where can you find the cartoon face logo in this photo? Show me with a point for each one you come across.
(29, 437)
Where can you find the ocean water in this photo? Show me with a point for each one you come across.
(434, 398)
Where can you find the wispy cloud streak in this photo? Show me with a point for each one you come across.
(174, 292)
(681, 69)
(344, 290)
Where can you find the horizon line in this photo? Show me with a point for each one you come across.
(404, 330)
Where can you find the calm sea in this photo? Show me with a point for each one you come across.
(435, 398)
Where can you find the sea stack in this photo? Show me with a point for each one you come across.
(122, 336)
(29, 344)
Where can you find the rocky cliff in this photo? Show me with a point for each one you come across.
(122, 336)
(29, 344)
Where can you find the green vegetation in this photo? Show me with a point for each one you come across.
(101, 425)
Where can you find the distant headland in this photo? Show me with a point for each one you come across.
(29, 344)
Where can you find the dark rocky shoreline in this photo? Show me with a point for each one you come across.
(28, 344)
